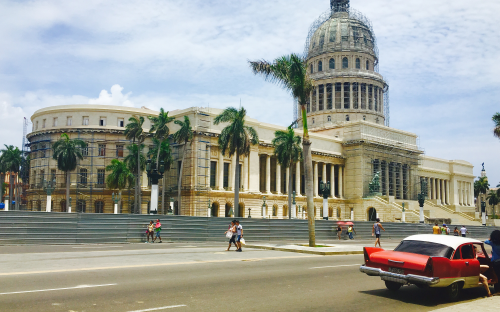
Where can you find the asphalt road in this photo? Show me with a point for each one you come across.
(174, 277)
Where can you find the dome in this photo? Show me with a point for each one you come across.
(341, 31)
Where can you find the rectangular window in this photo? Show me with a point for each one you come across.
(329, 96)
(85, 121)
(338, 95)
(370, 93)
(347, 102)
(321, 92)
(43, 123)
(54, 124)
(363, 96)
(375, 90)
(85, 151)
(392, 168)
(226, 175)
(43, 153)
(102, 121)
(382, 177)
(355, 95)
(121, 122)
(213, 173)
(100, 176)
(102, 149)
(314, 100)
(83, 176)
(36, 128)
(119, 151)
(41, 177)
(69, 121)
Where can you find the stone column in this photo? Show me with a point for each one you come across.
(332, 180)
(387, 178)
(220, 171)
(234, 163)
(315, 179)
(351, 100)
(278, 178)
(468, 194)
(297, 178)
(244, 178)
(400, 169)
(323, 174)
(287, 179)
(373, 97)
(268, 173)
(447, 192)
(340, 182)
(366, 97)
(253, 171)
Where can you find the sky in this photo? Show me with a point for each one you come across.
(440, 58)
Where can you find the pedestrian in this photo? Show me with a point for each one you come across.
(494, 242)
(463, 231)
(158, 230)
(455, 231)
(376, 230)
(232, 235)
(150, 231)
(239, 233)
(444, 230)
(339, 231)
(436, 229)
(350, 229)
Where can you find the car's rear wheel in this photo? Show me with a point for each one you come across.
(453, 291)
(393, 285)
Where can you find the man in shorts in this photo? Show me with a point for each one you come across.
(463, 231)
(239, 232)
(376, 231)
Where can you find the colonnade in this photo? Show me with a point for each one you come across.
(439, 189)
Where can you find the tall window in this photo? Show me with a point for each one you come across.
(42, 176)
(99, 206)
(81, 205)
(54, 124)
(375, 96)
(69, 121)
(102, 149)
(121, 122)
(314, 100)
(102, 121)
(329, 95)
(370, 97)
(320, 66)
(338, 95)
(363, 96)
(43, 153)
(345, 63)
(83, 176)
(85, 151)
(119, 151)
(346, 117)
(312, 69)
(355, 95)
(43, 123)
(226, 175)
(101, 175)
(358, 64)
(213, 173)
(367, 64)
(329, 118)
(321, 93)
(347, 102)
(332, 63)
(85, 121)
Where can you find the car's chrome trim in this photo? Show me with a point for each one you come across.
(394, 261)
(400, 278)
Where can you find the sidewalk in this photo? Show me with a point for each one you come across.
(484, 305)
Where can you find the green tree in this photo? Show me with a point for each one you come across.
(12, 159)
(493, 199)
(2, 177)
(134, 131)
(496, 121)
(183, 136)
(120, 177)
(290, 72)
(287, 151)
(166, 157)
(481, 186)
(160, 129)
(235, 139)
(66, 152)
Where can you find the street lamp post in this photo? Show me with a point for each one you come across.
(483, 212)
(421, 199)
(249, 210)
(115, 199)
(49, 186)
(264, 207)
(324, 189)
(69, 208)
(209, 211)
(294, 204)
(403, 217)
(154, 174)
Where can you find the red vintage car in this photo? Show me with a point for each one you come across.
(430, 260)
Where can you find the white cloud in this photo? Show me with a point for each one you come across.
(116, 97)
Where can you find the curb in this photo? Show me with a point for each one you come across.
(321, 253)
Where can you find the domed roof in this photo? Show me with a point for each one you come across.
(341, 31)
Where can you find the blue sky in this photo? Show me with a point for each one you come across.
(441, 59)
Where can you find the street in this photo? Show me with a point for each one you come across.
(195, 277)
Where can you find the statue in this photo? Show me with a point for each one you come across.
(374, 185)
(483, 166)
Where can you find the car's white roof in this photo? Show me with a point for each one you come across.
(448, 240)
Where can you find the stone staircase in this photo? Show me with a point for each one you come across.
(445, 212)
(411, 214)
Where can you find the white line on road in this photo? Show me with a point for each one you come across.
(160, 308)
(53, 289)
(95, 247)
(335, 266)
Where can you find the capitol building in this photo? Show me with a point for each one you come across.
(348, 118)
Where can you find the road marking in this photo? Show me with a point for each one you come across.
(336, 266)
(53, 289)
(153, 265)
(100, 247)
(160, 308)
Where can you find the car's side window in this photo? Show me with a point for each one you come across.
(467, 252)
(456, 256)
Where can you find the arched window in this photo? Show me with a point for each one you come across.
(320, 66)
(358, 64)
(285, 210)
(275, 210)
(346, 117)
(332, 63)
(345, 63)
(329, 118)
(99, 206)
(312, 69)
(367, 64)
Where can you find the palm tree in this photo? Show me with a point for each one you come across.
(2, 177)
(160, 129)
(236, 138)
(12, 158)
(166, 157)
(287, 151)
(493, 200)
(496, 120)
(481, 186)
(290, 72)
(66, 152)
(183, 136)
(131, 160)
(134, 131)
(120, 177)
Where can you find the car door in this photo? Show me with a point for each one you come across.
(469, 266)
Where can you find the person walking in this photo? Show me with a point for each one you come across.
(151, 229)
(351, 229)
(339, 231)
(463, 231)
(444, 230)
(436, 229)
(239, 233)
(376, 231)
(232, 237)
(455, 231)
(158, 230)
(494, 242)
